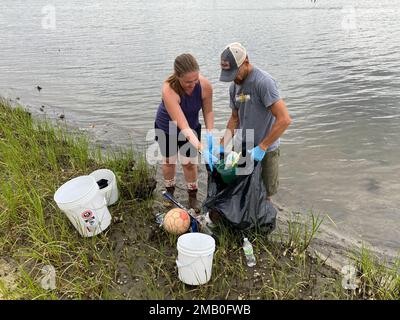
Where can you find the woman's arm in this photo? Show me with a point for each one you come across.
(207, 96)
(171, 102)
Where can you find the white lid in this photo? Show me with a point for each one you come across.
(196, 241)
(75, 189)
(103, 174)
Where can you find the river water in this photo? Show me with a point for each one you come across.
(102, 63)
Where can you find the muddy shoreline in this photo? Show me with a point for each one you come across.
(329, 244)
(137, 243)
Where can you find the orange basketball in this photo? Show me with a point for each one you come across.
(176, 221)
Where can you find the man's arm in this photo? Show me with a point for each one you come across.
(282, 121)
(232, 124)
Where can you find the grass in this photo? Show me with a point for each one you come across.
(134, 258)
(378, 279)
(35, 159)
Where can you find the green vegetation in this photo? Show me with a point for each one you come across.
(134, 258)
(35, 159)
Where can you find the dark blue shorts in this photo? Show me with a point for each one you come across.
(170, 144)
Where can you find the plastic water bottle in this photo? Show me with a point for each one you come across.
(248, 251)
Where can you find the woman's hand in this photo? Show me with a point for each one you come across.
(208, 157)
(210, 142)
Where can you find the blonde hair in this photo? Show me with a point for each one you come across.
(183, 64)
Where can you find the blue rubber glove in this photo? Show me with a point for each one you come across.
(209, 158)
(210, 142)
(210, 145)
(221, 152)
(257, 153)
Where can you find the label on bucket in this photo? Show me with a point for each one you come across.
(87, 214)
(90, 220)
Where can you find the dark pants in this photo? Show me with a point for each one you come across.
(270, 172)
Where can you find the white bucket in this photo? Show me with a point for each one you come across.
(80, 199)
(195, 257)
(111, 191)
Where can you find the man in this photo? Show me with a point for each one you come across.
(257, 105)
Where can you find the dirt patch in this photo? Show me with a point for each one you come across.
(8, 276)
(146, 267)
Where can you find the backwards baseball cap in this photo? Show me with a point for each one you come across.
(232, 58)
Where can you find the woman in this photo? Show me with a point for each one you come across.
(184, 94)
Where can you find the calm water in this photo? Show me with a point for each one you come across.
(336, 62)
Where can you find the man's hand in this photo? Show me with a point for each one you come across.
(257, 153)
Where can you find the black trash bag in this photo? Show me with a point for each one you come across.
(242, 203)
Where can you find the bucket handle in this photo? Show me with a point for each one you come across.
(181, 265)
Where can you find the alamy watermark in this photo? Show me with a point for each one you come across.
(170, 145)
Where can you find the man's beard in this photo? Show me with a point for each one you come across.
(239, 82)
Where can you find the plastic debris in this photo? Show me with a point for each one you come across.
(349, 270)
(160, 219)
(205, 223)
(48, 281)
(349, 281)
(232, 160)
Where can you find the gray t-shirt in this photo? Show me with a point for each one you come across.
(253, 100)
